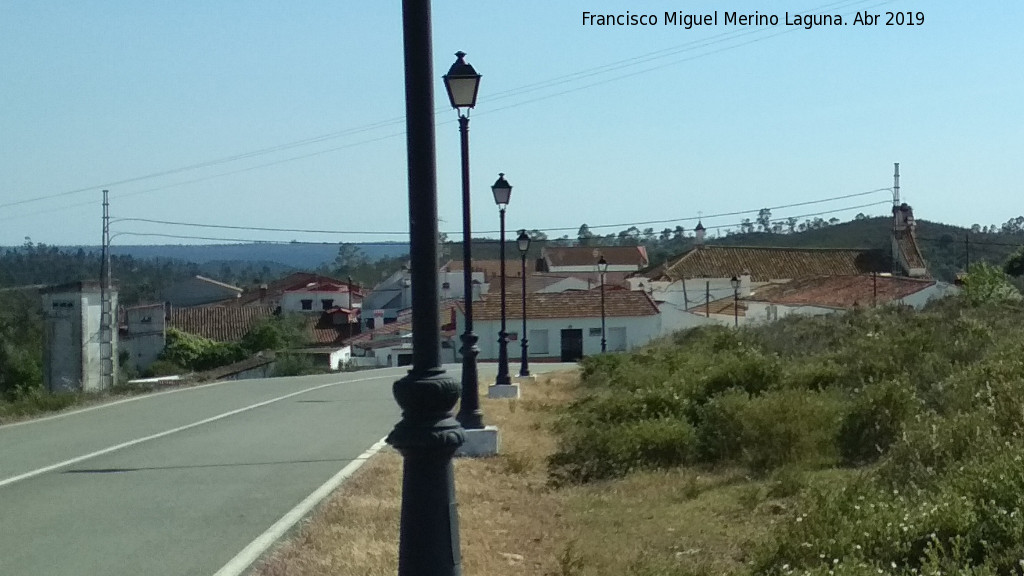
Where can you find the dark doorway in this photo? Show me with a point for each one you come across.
(572, 344)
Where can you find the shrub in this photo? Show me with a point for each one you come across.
(720, 427)
(615, 450)
(293, 365)
(790, 427)
(875, 421)
(197, 353)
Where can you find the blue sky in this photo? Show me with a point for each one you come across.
(289, 115)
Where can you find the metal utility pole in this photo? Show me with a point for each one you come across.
(106, 311)
(895, 207)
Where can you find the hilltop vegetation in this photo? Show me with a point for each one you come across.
(918, 416)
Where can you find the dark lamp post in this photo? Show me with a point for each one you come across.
(602, 266)
(735, 300)
(523, 243)
(502, 194)
(427, 435)
(462, 83)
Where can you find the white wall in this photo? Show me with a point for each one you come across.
(292, 301)
(639, 331)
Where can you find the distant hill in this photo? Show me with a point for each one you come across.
(942, 245)
(292, 256)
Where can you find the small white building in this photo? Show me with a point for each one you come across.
(143, 334)
(321, 296)
(564, 326)
(73, 340)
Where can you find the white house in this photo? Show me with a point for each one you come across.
(320, 296)
(827, 294)
(564, 326)
(143, 335)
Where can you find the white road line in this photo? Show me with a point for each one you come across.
(263, 542)
(52, 467)
(114, 403)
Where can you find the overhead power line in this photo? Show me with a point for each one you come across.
(190, 237)
(404, 232)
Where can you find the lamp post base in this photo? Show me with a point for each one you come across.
(503, 391)
(480, 443)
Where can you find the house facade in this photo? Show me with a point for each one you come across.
(564, 326)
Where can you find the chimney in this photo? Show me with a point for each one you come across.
(263, 293)
(745, 284)
(699, 231)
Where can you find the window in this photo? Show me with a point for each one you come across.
(538, 344)
(307, 304)
(327, 303)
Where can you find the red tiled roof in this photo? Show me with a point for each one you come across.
(911, 253)
(765, 264)
(588, 255)
(572, 304)
(220, 323)
(841, 291)
(492, 268)
(722, 307)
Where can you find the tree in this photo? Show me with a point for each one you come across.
(585, 236)
(984, 284)
(746, 226)
(678, 233)
(764, 220)
(1014, 265)
(791, 224)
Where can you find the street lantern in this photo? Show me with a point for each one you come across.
(502, 191)
(462, 83)
(602, 266)
(523, 243)
(502, 194)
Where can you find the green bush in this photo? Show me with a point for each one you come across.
(720, 427)
(196, 353)
(615, 450)
(293, 365)
(790, 427)
(875, 421)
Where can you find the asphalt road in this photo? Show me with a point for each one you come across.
(178, 483)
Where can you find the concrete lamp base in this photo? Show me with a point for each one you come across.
(503, 391)
(480, 443)
(524, 379)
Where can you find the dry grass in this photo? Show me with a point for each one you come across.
(513, 522)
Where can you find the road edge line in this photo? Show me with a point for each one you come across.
(244, 559)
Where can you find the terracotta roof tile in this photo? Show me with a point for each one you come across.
(767, 264)
(588, 255)
(911, 252)
(841, 291)
(220, 323)
(572, 304)
(722, 307)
